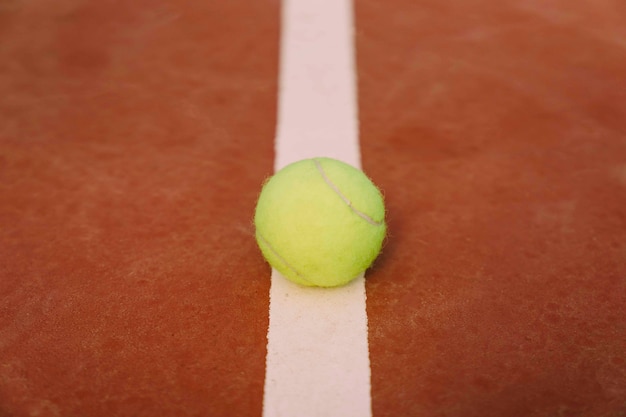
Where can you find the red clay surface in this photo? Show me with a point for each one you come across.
(134, 137)
(498, 132)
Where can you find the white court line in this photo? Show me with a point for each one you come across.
(317, 350)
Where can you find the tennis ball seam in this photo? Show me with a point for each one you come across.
(345, 199)
(283, 260)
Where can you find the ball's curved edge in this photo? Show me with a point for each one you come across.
(277, 262)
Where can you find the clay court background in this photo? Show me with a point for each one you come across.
(134, 137)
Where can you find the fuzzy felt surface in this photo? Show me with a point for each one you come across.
(320, 222)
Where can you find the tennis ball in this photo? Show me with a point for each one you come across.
(320, 222)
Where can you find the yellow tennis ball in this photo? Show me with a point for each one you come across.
(320, 222)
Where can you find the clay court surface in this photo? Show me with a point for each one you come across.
(135, 136)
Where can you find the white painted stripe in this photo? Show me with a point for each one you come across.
(317, 351)
(317, 105)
